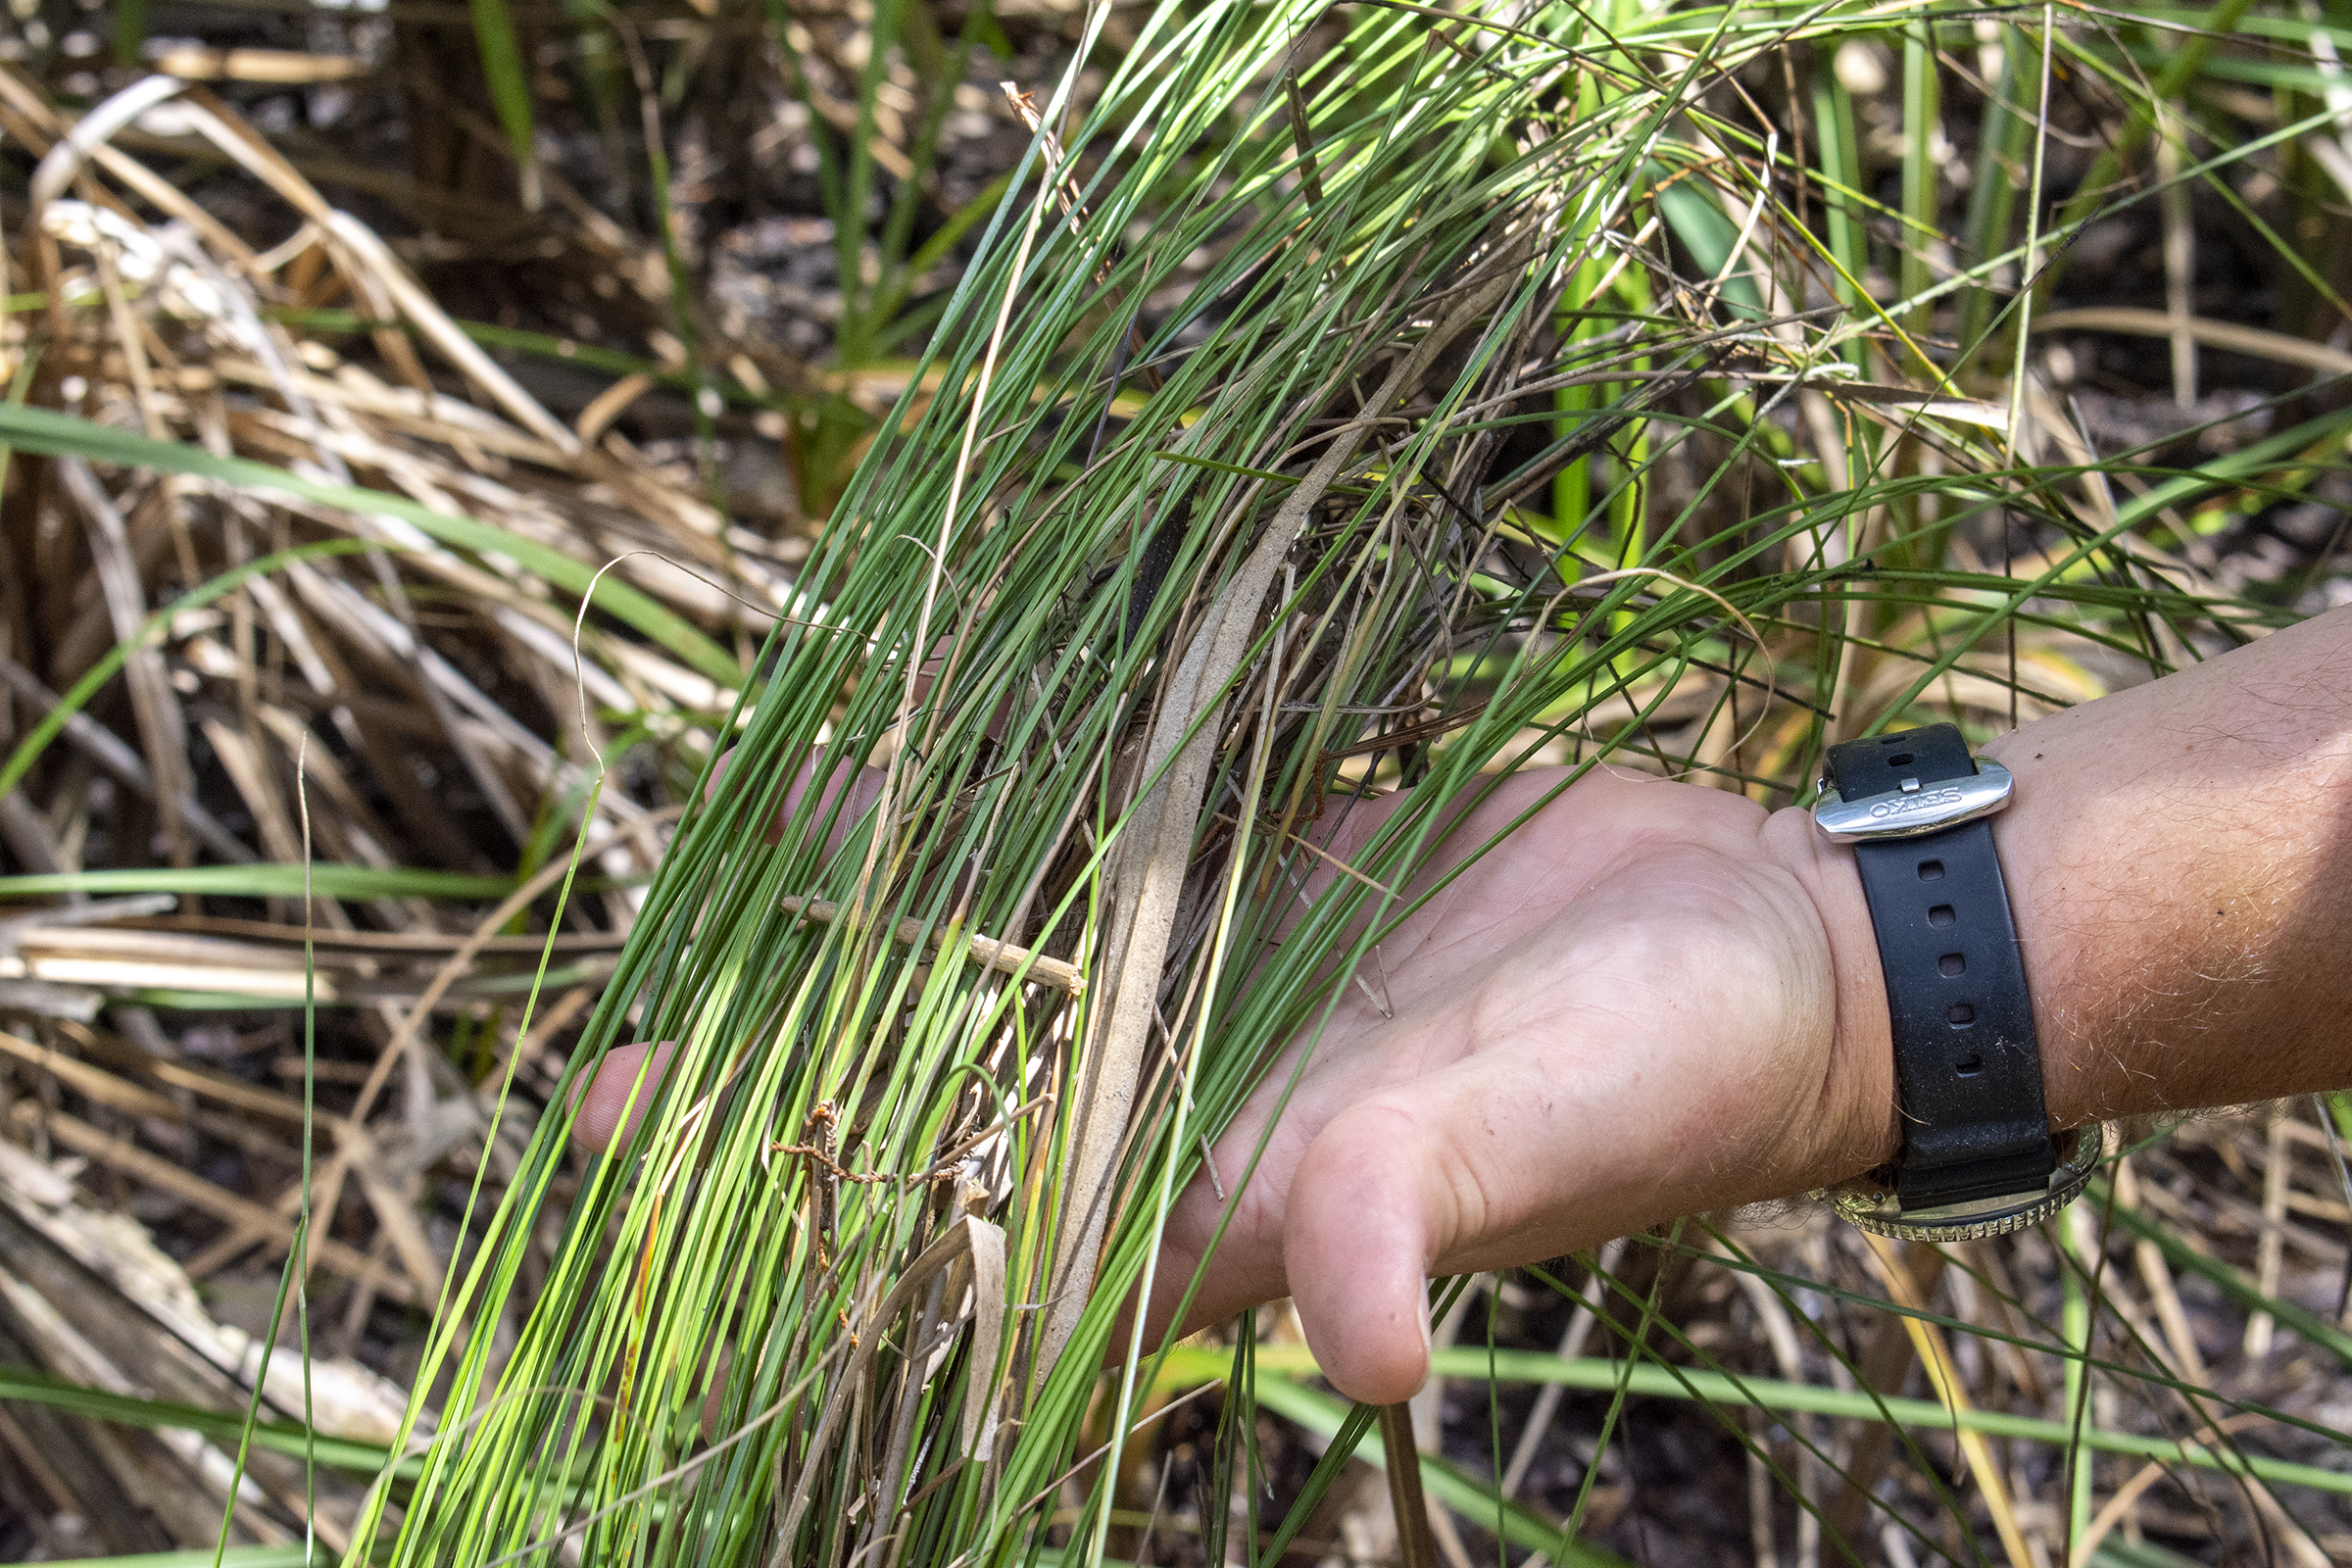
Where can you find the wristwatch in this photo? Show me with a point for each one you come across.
(1978, 1158)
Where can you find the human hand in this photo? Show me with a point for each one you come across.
(1653, 998)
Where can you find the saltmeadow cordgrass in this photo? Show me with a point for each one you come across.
(1535, 385)
(849, 1293)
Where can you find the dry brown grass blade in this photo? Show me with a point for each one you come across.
(329, 628)
(986, 951)
(122, 1155)
(176, 960)
(2270, 1250)
(2231, 335)
(434, 323)
(1416, 1546)
(350, 673)
(243, 762)
(273, 66)
(1882, 1366)
(162, 727)
(121, 761)
(41, 127)
(132, 1298)
(1156, 844)
(1944, 1377)
(608, 406)
(183, 1500)
(335, 947)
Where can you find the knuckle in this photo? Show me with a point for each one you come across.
(1406, 1151)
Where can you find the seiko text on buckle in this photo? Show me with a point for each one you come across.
(1921, 808)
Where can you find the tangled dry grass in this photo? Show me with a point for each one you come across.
(412, 709)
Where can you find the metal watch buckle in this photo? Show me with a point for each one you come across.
(1915, 808)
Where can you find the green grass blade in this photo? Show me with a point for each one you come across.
(510, 79)
(1647, 1380)
(220, 1426)
(264, 880)
(39, 430)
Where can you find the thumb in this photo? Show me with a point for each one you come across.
(1356, 1245)
(1506, 1157)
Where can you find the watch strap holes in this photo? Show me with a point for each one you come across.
(1942, 915)
(1961, 1015)
(1968, 1066)
(1900, 759)
(1951, 966)
(1930, 870)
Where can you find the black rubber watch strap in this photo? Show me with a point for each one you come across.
(1967, 1071)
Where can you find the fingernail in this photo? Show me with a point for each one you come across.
(1423, 1318)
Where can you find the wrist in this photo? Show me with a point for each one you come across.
(2064, 956)
(2029, 839)
(1977, 1153)
(1856, 1123)
(2179, 867)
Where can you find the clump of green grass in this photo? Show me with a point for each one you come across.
(1561, 386)
(1101, 679)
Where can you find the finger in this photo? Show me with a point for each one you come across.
(1359, 1248)
(1663, 1068)
(1491, 1164)
(1360, 1052)
(843, 791)
(1471, 1163)
(1244, 1252)
(623, 1085)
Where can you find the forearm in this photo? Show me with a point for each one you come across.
(2179, 856)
